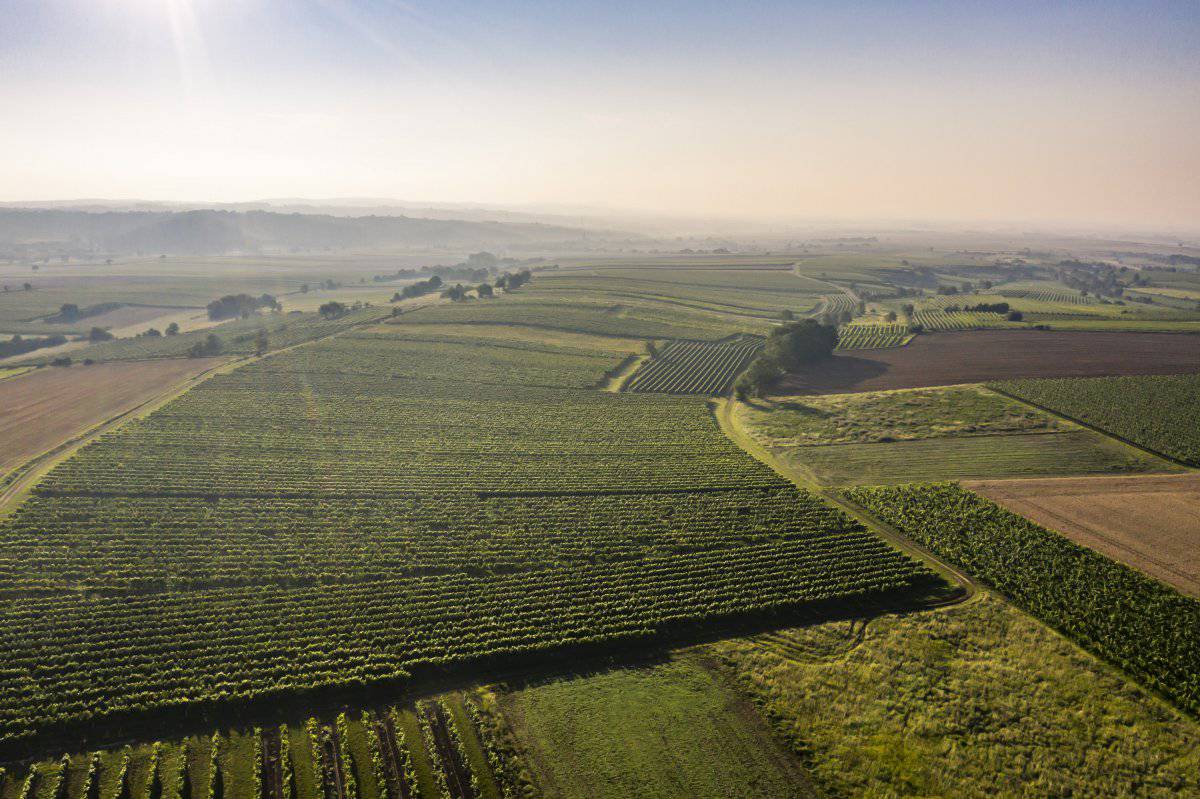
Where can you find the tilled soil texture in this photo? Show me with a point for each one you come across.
(1150, 523)
(942, 359)
(42, 409)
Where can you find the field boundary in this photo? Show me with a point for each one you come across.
(1093, 428)
(968, 588)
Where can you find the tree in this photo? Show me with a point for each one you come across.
(332, 310)
(99, 334)
(210, 346)
(890, 316)
(29, 287)
(1015, 316)
(152, 332)
(908, 309)
(260, 341)
(304, 289)
(173, 329)
(69, 312)
(484, 290)
(787, 315)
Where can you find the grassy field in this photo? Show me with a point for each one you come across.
(658, 732)
(890, 416)
(974, 701)
(974, 458)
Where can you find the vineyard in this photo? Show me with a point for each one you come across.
(456, 745)
(1129, 619)
(1059, 296)
(695, 367)
(872, 336)
(432, 505)
(936, 319)
(1160, 413)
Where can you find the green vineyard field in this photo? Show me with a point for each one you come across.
(1131, 620)
(1160, 413)
(433, 505)
(695, 367)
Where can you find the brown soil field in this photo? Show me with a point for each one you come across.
(42, 409)
(1150, 523)
(941, 359)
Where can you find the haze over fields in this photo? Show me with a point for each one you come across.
(1029, 111)
(502, 399)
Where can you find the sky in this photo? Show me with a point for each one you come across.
(1045, 112)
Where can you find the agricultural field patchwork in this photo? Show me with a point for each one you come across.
(498, 507)
(1133, 621)
(975, 700)
(1151, 523)
(694, 367)
(1160, 413)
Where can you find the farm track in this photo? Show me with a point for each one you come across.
(969, 588)
(272, 766)
(458, 773)
(334, 778)
(389, 747)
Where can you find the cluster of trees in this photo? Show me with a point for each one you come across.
(232, 306)
(421, 287)
(19, 346)
(1096, 278)
(513, 280)
(210, 346)
(789, 347)
(98, 334)
(332, 310)
(988, 307)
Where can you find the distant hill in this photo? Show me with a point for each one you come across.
(211, 232)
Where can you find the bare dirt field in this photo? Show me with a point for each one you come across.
(1150, 523)
(978, 356)
(44, 408)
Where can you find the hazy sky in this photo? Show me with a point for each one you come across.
(1040, 111)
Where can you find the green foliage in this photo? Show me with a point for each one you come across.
(1129, 619)
(694, 367)
(792, 346)
(1159, 413)
(975, 700)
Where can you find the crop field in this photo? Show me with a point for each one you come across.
(431, 504)
(454, 745)
(694, 367)
(872, 336)
(932, 319)
(974, 700)
(1151, 523)
(975, 357)
(659, 732)
(238, 337)
(974, 458)
(1127, 618)
(1160, 413)
(41, 410)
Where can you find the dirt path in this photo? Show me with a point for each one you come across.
(727, 420)
(398, 787)
(458, 773)
(272, 766)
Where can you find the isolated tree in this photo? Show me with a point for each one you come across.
(484, 290)
(69, 312)
(260, 341)
(890, 316)
(173, 329)
(332, 310)
(29, 287)
(153, 332)
(1015, 316)
(908, 309)
(99, 334)
(787, 315)
(304, 289)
